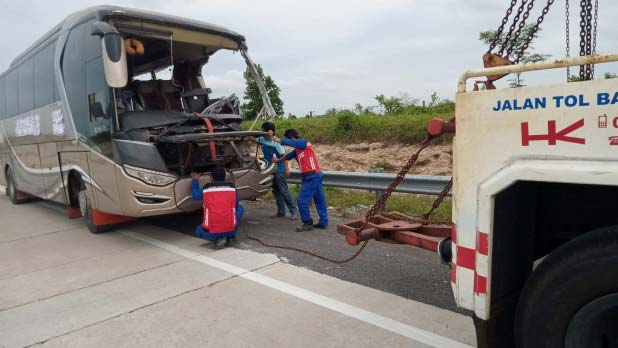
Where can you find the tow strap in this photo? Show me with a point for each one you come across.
(213, 149)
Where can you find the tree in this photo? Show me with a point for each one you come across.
(527, 57)
(609, 75)
(390, 105)
(254, 103)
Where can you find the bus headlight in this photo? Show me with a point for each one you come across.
(148, 176)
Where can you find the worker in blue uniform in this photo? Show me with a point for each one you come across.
(272, 149)
(222, 209)
(311, 173)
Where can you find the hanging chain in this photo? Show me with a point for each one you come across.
(496, 37)
(532, 32)
(588, 37)
(380, 202)
(594, 34)
(568, 39)
(582, 35)
(436, 204)
(508, 36)
(522, 24)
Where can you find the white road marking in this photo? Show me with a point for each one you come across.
(414, 333)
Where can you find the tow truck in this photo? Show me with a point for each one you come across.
(533, 243)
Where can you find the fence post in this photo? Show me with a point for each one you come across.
(378, 193)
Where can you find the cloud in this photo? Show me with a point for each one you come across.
(336, 53)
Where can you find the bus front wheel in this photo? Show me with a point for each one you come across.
(85, 208)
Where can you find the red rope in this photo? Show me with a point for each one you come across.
(213, 149)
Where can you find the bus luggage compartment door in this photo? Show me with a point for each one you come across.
(52, 176)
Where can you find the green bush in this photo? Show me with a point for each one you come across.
(343, 126)
(347, 121)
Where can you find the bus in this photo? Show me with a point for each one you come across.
(109, 113)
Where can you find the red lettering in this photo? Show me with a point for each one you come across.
(552, 137)
(615, 122)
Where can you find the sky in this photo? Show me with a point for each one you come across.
(326, 54)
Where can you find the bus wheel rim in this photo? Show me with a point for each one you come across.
(11, 186)
(592, 326)
(83, 202)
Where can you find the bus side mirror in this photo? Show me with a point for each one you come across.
(114, 55)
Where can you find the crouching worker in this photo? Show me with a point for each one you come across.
(311, 188)
(222, 210)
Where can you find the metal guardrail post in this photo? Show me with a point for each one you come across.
(378, 193)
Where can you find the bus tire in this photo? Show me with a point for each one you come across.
(11, 188)
(85, 207)
(571, 299)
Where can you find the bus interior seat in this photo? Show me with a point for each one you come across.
(171, 94)
(150, 95)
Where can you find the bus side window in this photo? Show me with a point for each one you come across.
(11, 93)
(26, 86)
(44, 76)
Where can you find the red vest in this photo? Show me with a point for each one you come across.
(307, 160)
(219, 207)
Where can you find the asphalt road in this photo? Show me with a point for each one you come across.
(402, 270)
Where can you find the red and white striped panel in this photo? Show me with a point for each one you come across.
(469, 273)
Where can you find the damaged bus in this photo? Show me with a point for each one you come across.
(90, 120)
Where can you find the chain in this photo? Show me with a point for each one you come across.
(532, 32)
(507, 38)
(496, 37)
(522, 24)
(380, 202)
(568, 39)
(594, 34)
(582, 35)
(439, 199)
(588, 37)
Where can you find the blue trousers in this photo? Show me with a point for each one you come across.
(282, 194)
(213, 237)
(311, 189)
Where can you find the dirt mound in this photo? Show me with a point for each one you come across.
(435, 160)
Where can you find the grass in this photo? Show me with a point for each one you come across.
(408, 204)
(344, 126)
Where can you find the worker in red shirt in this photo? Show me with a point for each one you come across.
(222, 209)
(311, 188)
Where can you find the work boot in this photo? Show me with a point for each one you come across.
(231, 241)
(322, 227)
(304, 228)
(276, 216)
(220, 243)
(294, 216)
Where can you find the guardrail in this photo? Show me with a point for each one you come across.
(420, 184)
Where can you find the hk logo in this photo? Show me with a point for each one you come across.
(553, 136)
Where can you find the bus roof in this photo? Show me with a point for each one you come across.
(115, 12)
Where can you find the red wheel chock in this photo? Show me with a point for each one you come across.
(100, 218)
